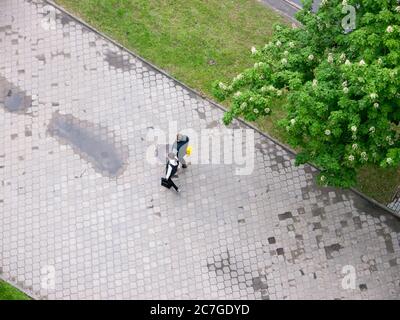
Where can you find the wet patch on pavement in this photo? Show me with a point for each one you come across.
(201, 112)
(118, 60)
(332, 249)
(12, 98)
(212, 124)
(92, 142)
(64, 19)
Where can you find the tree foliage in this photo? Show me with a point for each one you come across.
(341, 87)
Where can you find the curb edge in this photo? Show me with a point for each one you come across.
(20, 288)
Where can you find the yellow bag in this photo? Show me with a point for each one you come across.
(189, 150)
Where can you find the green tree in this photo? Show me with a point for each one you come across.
(340, 86)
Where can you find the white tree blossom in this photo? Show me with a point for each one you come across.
(364, 156)
(222, 86)
(373, 96)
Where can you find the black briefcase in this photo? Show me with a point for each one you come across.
(165, 183)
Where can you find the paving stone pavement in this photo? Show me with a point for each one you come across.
(82, 214)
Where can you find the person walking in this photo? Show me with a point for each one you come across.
(171, 169)
(180, 148)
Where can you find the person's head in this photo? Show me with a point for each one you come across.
(179, 137)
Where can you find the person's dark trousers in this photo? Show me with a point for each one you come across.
(172, 184)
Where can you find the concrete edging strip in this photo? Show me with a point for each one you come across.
(25, 291)
(295, 5)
